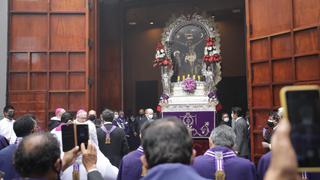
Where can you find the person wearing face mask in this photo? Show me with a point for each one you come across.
(92, 116)
(225, 119)
(241, 129)
(140, 119)
(6, 124)
(268, 130)
(149, 114)
(119, 119)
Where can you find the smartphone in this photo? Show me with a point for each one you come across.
(73, 135)
(301, 105)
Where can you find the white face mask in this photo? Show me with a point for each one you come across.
(116, 116)
(150, 116)
(226, 119)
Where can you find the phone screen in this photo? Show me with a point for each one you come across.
(304, 115)
(83, 134)
(67, 137)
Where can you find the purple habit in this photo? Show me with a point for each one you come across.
(172, 171)
(264, 163)
(235, 168)
(3, 142)
(131, 166)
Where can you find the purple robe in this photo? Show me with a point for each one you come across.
(172, 171)
(235, 168)
(131, 166)
(6, 162)
(3, 142)
(264, 163)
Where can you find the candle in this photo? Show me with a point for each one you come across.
(178, 78)
(198, 77)
(194, 77)
(188, 75)
(183, 77)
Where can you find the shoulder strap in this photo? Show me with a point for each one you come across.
(104, 129)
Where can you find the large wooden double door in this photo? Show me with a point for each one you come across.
(50, 56)
(283, 48)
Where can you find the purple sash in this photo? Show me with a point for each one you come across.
(219, 157)
(104, 129)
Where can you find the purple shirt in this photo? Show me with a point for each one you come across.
(3, 142)
(263, 165)
(235, 168)
(172, 171)
(131, 166)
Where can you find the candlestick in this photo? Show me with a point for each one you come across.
(188, 75)
(199, 78)
(178, 78)
(183, 77)
(194, 77)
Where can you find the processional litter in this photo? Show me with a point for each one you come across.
(190, 62)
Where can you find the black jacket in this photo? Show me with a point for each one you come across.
(118, 146)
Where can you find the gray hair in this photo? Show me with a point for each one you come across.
(223, 135)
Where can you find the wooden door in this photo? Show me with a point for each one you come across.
(282, 49)
(49, 50)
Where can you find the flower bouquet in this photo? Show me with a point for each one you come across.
(211, 54)
(161, 58)
(189, 85)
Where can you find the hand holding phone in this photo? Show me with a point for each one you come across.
(301, 105)
(73, 135)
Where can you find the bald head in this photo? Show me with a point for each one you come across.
(36, 155)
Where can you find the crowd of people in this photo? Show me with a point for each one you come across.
(142, 147)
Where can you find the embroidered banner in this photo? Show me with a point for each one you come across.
(201, 123)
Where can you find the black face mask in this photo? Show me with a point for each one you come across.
(270, 124)
(10, 115)
(92, 117)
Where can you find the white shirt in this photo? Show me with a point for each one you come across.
(6, 130)
(55, 118)
(107, 170)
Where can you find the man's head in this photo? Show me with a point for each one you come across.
(82, 116)
(141, 112)
(8, 112)
(222, 135)
(24, 125)
(66, 117)
(59, 112)
(273, 119)
(166, 141)
(143, 129)
(235, 112)
(92, 115)
(115, 115)
(107, 115)
(121, 114)
(149, 113)
(225, 117)
(38, 156)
